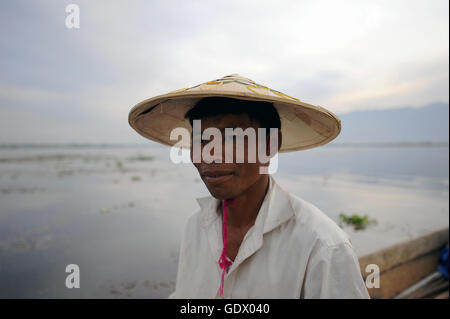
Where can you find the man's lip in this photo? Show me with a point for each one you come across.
(215, 177)
(216, 172)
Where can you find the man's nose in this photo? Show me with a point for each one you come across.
(217, 157)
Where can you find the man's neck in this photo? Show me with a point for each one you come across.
(242, 214)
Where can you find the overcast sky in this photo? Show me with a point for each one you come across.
(77, 85)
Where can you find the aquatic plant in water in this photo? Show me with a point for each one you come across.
(358, 222)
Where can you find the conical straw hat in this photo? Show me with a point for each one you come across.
(303, 125)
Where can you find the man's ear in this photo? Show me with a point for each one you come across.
(280, 139)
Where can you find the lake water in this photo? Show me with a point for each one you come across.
(118, 212)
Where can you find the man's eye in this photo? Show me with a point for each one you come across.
(229, 138)
(200, 141)
(197, 140)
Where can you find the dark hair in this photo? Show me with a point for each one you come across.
(262, 112)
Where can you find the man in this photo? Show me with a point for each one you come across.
(251, 238)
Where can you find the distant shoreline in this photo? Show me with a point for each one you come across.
(389, 144)
(130, 145)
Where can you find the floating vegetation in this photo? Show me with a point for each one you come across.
(158, 285)
(356, 221)
(66, 172)
(134, 288)
(26, 243)
(21, 190)
(55, 157)
(129, 285)
(141, 158)
(107, 210)
(125, 289)
(135, 178)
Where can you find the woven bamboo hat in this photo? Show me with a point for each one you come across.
(303, 125)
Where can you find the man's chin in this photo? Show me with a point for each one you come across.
(222, 193)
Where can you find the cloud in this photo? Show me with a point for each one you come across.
(29, 95)
(346, 56)
(409, 84)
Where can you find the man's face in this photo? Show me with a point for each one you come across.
(229, 180)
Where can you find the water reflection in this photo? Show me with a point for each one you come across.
(118, 212)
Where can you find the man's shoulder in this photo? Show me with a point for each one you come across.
(200, 219)
(195, 220)
(313, 222)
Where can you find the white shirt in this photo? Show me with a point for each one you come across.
(292, 251)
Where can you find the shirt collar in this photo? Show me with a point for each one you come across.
(275, 209)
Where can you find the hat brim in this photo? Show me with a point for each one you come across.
(303, 125)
